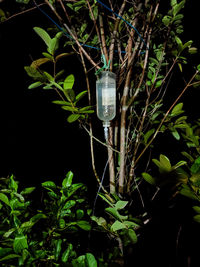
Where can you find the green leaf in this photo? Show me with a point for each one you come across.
(197, 218)
(90, 260)
(130, 224)
(73, 118)
(148, 178)
(49, 185)
(84, 225)
(33, 73)
(69, 204)
(79, 214)
(196, 209)
(53, 195)
(68, 180)
(34, 85)
(58, 248)
(38, 217)
(20, 243)
(9, 232)
(27, 190)
(173, 2)
(80, 96)
(179, 164)
(192, 50)
(99, 220)
(166, 20)
(187, 155)
(195, 168)
(68, 108)
(13, 185)
(165, 162)
(9, 257)
(72, 189)
(79, 262)
(66, 253)
(26, 226)
(105, 199)
(47, 55)
(117, 225)
(178, 7)
(48, 87)
(115, 214)
(86, 109)
(49, 77)
(44, 35)
(4, 199)
(175, 134)
(187, 44)
(121, 204)
(38, 62)
(53, 46)
(132, 236)
(61, 102)
(70, 95)
(69, 82)
(188, 193)
(148, 135)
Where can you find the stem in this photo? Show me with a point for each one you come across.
(164, 118)
(23, 12)
(103, 40)
(111, 162)
(114, 34)
(72, 35)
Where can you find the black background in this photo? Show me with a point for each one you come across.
(37, 143)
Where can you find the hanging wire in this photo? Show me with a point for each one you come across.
(100, 186)
(90, 46)
(128, 23)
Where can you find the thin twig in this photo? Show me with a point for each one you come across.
(114, 35)
(102, 143)
(73, 36)
(22, 12)
(164, 118)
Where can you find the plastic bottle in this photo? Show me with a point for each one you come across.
(106, 98)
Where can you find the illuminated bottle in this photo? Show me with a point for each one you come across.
(106, 98)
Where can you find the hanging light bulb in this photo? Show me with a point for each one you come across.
(106, 98)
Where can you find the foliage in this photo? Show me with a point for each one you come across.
(68, 98)
(143, 45)
(55, 230)
(49, 237)
(141, 115)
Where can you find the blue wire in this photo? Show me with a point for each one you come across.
(124, 21)
(90, 46)
(60, 28)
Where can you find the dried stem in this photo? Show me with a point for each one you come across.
(103, 40)
(111, 162)
(114, 34)
(164, 118)
(23, 12)
(73, 36)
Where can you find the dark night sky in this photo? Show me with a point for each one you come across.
(36, 141)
